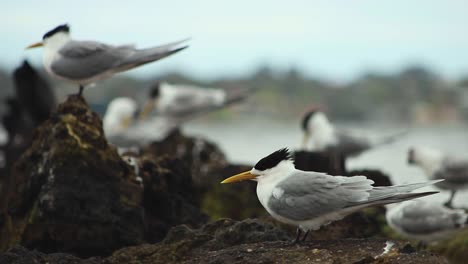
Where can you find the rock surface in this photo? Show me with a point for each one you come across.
(168, 196)
(249, 241)
(72, 192)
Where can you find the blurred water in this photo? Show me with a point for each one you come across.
(248, 140)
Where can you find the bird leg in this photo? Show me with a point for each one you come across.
(80, 93)
(449, 202)
(298, 236)
(421, 246)
(305, 235)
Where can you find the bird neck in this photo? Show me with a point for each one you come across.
(429, 160)
(56, 42)
(322, 132)
(51, 46)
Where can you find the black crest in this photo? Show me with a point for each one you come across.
(155, 90)
(306, 118)
(273, 159)
(61, 28)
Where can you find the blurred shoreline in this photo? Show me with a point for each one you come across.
(415, 95)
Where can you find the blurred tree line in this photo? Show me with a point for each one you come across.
(412, 95)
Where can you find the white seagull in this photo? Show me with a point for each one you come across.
(424, 221)
(182, 100)
(310, 200)
(123, 128)
(85, 62)
(437, 165)
(320, 135)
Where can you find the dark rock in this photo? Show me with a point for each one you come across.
(379, 178)
(33, 93)
(236, 201)
(168, 197)
(21, 255)
(250, 241)
(31, 105)
(327, 161)
(71, 191)
(201, 156)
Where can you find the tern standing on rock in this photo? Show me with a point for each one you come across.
(320, 135)
(310, 200)
(184, 100)
(437, 165)
(85, 62)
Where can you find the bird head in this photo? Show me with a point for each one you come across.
(119, 115)
(55, 37)
(277, 164)
(426, 158)
(154, 95)
(315, 124)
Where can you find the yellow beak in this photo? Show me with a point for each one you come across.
(126, 122)
(35, 45)
(147, 109)
(240, 177)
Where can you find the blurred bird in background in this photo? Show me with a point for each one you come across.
(168, 107)
(427, 222)
(320, 135)
(437, 165)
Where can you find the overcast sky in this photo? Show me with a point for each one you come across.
(333, 39)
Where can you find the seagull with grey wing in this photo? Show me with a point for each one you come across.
(437, 165)
(85, 62)
(184, 100)
(125, 127)
(424, 221)
(320, 135)
(310, 200)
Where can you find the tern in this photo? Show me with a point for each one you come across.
(85, 62)
(123, 129)
(437, 165)
(424, 221)
(181, 99)
(324, 136)
(124, 126)
(309, 200)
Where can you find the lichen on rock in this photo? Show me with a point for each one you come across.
(72, 191)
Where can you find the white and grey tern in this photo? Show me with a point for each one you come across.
(85, 62)
(309, 200)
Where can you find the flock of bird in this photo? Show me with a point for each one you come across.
(305, 199)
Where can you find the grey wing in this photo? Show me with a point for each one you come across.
(191, 99)
(350, 146)
(306, 195)
(143, 132)
(85, 59)
(453, 171)
(423, 218)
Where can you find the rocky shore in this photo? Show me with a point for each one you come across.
(71, 198)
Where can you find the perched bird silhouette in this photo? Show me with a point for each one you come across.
(424, 221)
(437, 165)
(320, 135)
